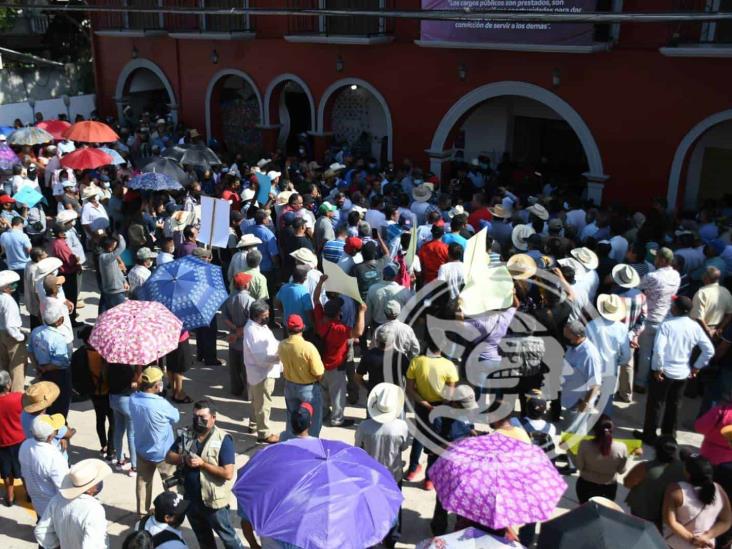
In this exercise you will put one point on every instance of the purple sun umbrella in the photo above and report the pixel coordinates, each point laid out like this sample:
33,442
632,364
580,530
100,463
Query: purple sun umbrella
497,481
8,158
318,494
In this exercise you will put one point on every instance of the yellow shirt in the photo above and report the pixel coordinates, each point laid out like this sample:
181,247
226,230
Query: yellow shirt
430,374
300,360
711,304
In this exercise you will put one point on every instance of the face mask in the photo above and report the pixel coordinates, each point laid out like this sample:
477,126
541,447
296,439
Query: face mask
200,424
14,286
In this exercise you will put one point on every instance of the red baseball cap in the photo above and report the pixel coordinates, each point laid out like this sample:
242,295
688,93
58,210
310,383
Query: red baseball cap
353,244
241,279
6,199
294,322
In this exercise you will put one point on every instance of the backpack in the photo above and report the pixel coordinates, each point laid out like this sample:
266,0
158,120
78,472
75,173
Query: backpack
542,439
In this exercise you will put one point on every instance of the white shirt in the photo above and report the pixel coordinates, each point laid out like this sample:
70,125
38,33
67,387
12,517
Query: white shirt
137,276
78,523
10,321
453,273
153,527
94,216
44,468
19,182
311,281
260,353
65,146
163,258
675,340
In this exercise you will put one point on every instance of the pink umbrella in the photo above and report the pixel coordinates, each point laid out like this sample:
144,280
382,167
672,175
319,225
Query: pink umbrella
497,481
136,332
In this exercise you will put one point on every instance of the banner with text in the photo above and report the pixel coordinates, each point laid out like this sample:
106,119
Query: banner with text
571,34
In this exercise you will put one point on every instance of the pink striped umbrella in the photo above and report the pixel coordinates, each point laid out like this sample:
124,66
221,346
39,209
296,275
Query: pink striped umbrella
136,332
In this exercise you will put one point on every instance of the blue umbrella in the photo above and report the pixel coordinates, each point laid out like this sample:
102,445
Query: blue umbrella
154,181
116,157
28,196
192,289
6,130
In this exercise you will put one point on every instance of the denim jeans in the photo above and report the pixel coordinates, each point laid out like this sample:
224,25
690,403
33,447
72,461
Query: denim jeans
645,353
120,404
107,301
205,522
295,394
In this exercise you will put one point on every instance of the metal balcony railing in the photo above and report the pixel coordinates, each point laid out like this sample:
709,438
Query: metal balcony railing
356,25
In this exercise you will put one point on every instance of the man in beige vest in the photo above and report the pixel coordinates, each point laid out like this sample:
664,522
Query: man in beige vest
206,457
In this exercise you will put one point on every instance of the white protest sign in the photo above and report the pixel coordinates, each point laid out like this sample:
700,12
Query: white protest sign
214,229
339,282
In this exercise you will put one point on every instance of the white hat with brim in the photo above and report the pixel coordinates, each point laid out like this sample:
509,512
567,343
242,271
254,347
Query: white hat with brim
455,210
283,198
521,266
422,193
520,237
499,212
335,166
360,209
273,174
611,307
66,215
8,277
46,266
385,402
247,195
248,240
539,211
181,219
90,192
82,476
625,276
305,255
587,257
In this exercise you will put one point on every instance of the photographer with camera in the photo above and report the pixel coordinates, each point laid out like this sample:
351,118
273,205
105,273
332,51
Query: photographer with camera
205,458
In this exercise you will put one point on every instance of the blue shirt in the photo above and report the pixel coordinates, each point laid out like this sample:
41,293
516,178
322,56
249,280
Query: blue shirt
612,343
296,300
153,418
268,247
48,345
449,238
15,244
333,250
586,365
192,480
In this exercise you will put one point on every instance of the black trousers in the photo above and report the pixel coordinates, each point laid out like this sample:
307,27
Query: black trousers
666,395
206,342
71,290
104,414
62,378
587,490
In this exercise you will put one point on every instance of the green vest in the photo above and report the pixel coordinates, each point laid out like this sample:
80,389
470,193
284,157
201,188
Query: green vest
215,491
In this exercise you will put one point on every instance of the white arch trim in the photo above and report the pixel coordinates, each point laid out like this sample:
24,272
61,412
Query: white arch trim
682,150
124,76
377,95
212,83
279,80
530,91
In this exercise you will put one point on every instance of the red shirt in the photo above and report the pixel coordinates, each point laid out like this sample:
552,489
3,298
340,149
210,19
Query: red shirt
11,429
431,256
335,336
477,216
69,263
228,194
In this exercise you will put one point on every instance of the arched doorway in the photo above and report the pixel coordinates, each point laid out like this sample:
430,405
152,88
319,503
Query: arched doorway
143,86
234,112
359,117
703,162
535,126
290,105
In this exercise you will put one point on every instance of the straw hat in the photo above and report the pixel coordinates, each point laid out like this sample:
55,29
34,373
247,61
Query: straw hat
587,257
520,236
181,219
283,197
66,215
194,133
422,193
726,432
521,266
611,306
305,255
40,396
90,192
247,240
625,276
500,212
82,476
8,277
385,402
46,266
539,211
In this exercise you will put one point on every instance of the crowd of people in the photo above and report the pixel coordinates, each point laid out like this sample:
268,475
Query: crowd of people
605,304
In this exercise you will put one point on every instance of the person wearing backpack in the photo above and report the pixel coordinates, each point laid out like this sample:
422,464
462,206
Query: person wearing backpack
164,525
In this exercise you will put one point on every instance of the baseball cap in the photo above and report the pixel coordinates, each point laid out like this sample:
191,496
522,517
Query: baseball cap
302,418
327,207
146,253
683,303
405,222
353,244
392,308
391,270
42,427
665,253
151,374
170,503
6,199
202,253
240,279
295,322
555,224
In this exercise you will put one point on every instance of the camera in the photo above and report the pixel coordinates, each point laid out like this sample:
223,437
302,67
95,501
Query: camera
185,445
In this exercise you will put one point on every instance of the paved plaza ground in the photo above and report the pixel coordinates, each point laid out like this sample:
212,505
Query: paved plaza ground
118,496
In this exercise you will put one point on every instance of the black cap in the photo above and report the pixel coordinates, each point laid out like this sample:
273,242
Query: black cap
683,303
170,503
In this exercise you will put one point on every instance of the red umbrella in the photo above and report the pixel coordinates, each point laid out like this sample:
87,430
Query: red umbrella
89,131
86,159
55,127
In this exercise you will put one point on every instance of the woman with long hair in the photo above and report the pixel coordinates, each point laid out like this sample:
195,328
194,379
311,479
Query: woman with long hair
600,461
695,511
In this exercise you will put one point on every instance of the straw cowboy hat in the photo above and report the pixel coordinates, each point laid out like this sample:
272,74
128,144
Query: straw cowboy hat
520,237
181,219
587,257
283,197
46,266
611,307
90,192
539,211
82,476
625,276
66,215
8,277
385,402
422,193
499,212
305,255
39,396
521,266
247,240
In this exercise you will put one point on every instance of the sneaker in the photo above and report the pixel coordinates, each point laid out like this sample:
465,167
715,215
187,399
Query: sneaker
411,475
428,485
271,439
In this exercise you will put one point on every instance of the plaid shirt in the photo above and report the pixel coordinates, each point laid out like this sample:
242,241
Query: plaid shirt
637,310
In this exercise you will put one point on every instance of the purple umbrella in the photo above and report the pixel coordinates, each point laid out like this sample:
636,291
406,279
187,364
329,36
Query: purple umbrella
317,493
8,158
497,481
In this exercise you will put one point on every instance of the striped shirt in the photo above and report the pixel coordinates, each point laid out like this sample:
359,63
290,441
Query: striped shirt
333,250
637,310
660,286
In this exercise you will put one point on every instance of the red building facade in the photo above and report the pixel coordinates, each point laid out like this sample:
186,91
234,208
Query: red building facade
643,104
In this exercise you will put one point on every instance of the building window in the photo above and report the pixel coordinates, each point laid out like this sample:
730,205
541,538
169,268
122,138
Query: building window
225,23
718,32
357,25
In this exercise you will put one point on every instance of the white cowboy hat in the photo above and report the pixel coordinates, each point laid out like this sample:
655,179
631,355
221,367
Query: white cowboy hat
273,174
82,476
335,166
66,215
46,266
539,211
385,402
611,307
90,192
625,276
455,210
305,255
520,236
587,257
283,197
181,219
262,162
248,240
422,193
8,277
360,209
247,194
521,266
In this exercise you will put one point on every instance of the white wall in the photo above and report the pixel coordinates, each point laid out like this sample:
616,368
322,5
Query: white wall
51,108
720,136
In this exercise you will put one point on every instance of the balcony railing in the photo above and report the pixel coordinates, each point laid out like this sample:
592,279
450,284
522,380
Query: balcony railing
719,33
356,25
144,21
226,23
